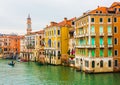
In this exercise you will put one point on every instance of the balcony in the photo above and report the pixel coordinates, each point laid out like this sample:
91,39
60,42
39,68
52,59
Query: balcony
80,46
101,34
109,34
110,46
90,46
86,34
93,34
101,46
80,35
49,48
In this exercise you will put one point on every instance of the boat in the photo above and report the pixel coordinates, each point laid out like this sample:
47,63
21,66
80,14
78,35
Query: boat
11,63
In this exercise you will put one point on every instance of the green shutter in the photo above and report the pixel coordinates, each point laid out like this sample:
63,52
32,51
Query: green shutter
109,41
109,52
93,41
81,41
109,29
101,41
101,29
101,52
93,53
92,29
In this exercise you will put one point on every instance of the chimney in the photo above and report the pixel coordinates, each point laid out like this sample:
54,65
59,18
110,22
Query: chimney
52,23
65,20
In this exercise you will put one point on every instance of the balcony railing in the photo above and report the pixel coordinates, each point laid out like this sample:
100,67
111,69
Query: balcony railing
109,34
93,34
80,35
101,34
80,46
110,45
101,46
90,46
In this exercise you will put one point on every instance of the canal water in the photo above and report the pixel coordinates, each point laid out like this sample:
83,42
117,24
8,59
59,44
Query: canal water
34,74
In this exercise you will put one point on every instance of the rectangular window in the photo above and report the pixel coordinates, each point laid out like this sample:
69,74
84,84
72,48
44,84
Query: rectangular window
109,29
92,29
58,32
81,31
101,20
115,29
101,40
109,20
109,63
116,63
101,29
86,64
101,63
101,53
93,64
109,41
109,52
77,61
115,41
92,19
93,53
116,52
59,54
58,44
5,49
93,41
55,44
81,41
115,19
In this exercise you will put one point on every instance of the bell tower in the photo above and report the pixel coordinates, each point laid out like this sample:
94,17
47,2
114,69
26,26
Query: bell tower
29,28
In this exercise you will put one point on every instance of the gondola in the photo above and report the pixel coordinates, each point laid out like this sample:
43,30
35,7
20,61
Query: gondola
11,63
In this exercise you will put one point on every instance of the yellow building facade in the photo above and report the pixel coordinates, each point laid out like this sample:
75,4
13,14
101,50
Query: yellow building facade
56,41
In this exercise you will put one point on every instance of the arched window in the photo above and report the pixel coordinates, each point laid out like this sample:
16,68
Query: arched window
101,63
93,64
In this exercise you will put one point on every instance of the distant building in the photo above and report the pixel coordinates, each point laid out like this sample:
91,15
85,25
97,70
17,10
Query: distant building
9,45
32,43
97,40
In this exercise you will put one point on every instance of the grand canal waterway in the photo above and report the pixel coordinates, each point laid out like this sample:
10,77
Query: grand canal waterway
34,74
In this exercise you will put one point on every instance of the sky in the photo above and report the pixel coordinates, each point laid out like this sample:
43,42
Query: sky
13,13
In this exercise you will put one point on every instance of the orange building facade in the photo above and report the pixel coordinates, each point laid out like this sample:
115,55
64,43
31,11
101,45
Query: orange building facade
97,45
9,45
